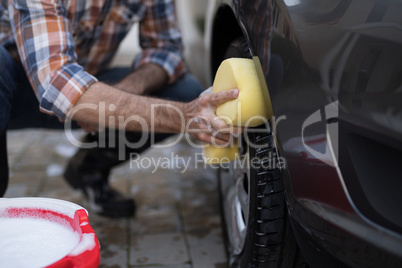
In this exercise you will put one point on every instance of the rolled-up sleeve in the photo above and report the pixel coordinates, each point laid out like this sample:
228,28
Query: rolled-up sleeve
160,38
46,46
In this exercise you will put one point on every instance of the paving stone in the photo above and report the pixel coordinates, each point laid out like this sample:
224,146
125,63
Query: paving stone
16,190
156,211
168,266
31,180
200,202
21,138
57,187
113,256
157,249
113,237
34,158
206,248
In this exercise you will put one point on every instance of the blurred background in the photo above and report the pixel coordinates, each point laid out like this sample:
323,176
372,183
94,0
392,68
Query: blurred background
191,15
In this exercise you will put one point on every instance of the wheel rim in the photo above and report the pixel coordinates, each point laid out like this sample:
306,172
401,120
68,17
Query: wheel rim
236,202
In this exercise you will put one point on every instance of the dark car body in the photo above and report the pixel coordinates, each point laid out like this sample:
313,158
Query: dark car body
334,74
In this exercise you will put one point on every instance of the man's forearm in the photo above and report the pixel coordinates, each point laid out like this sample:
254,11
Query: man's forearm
103,104
146,79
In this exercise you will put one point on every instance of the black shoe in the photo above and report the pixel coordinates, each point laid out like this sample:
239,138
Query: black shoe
101,197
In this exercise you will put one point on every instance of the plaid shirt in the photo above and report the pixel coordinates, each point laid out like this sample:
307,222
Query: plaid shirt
61,43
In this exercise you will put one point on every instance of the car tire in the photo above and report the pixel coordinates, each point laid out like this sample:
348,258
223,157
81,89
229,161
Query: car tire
268,236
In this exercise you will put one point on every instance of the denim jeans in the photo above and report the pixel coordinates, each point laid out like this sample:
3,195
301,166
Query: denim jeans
19,106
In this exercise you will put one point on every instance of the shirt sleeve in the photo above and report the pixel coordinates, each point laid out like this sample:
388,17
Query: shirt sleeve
160,38
47,51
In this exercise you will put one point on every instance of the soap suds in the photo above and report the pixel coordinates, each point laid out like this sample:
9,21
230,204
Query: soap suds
87,243
32,242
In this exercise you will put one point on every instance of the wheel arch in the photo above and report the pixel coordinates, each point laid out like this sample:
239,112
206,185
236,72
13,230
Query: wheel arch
224,30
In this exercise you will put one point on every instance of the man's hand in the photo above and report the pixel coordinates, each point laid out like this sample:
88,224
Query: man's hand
203,123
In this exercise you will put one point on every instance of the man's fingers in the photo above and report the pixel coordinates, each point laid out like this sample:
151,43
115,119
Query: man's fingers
208,91
219,123
209,128
215,125
236,131
222,127
222,136
215,140
224,96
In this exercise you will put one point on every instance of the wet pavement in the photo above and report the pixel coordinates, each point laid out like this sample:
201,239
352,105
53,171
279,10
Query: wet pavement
177,223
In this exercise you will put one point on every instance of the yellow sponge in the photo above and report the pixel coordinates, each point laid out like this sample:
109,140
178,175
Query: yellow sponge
250,109
217,155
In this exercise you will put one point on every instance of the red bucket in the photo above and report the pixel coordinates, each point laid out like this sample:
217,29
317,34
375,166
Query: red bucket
82,252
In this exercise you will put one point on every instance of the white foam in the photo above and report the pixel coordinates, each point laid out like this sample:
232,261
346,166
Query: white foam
87,243
32,242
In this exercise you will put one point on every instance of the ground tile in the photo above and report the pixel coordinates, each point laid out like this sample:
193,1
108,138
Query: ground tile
156,249
206,248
